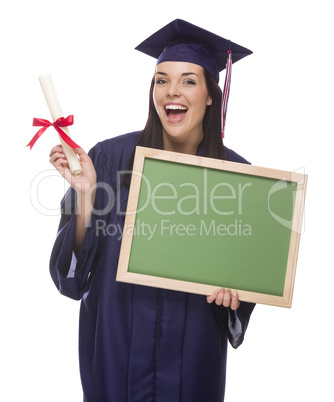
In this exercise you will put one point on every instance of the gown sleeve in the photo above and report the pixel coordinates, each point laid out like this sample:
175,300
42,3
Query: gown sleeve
234,321
237,323
69,272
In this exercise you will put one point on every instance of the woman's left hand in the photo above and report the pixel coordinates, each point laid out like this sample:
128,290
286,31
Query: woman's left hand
224,297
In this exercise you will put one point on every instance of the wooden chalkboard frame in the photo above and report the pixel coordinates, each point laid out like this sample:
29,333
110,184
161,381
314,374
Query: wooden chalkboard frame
123,273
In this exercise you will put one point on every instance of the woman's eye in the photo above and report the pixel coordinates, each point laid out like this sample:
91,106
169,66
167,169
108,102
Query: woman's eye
190,82
160,81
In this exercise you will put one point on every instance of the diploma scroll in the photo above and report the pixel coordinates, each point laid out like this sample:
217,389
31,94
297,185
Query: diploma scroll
56,112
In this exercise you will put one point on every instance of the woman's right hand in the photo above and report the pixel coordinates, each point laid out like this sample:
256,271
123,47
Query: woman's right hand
83,182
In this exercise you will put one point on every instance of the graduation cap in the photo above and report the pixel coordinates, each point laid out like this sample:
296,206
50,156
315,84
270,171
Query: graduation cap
182,41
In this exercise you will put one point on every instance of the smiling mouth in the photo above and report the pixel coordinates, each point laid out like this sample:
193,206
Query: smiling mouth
175,112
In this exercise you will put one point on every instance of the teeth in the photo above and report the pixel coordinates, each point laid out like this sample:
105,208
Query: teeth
175,107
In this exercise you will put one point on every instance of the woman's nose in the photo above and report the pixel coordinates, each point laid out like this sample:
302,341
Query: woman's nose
173,90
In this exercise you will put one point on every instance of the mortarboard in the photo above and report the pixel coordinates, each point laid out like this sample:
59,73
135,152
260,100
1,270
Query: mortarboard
181,41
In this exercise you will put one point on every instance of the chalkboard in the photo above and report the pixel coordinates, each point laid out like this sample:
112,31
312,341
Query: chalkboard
197,224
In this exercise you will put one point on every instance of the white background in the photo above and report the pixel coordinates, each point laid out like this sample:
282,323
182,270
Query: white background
280,115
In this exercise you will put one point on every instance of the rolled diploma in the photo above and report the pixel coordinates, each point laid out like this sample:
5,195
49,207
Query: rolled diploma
56,112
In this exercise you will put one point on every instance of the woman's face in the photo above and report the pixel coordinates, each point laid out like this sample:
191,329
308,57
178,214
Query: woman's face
180,97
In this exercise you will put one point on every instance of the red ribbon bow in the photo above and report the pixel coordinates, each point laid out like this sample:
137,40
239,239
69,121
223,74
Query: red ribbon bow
61,122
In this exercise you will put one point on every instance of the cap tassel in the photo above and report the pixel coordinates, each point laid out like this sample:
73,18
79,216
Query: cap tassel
226,91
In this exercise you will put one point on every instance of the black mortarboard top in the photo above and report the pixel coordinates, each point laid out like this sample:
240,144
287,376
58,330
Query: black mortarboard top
182,41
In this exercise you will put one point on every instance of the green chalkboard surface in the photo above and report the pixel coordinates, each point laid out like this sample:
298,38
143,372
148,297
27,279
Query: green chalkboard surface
214,224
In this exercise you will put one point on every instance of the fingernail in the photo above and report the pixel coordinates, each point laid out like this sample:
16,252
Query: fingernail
235,294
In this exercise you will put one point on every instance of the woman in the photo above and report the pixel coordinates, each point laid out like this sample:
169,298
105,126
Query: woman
138,343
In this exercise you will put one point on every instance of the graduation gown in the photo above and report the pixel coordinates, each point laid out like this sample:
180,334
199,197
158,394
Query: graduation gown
137,343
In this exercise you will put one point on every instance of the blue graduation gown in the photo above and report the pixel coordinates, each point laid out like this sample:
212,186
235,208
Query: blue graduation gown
137,343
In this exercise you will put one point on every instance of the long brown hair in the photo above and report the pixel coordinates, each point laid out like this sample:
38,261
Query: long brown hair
151,136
